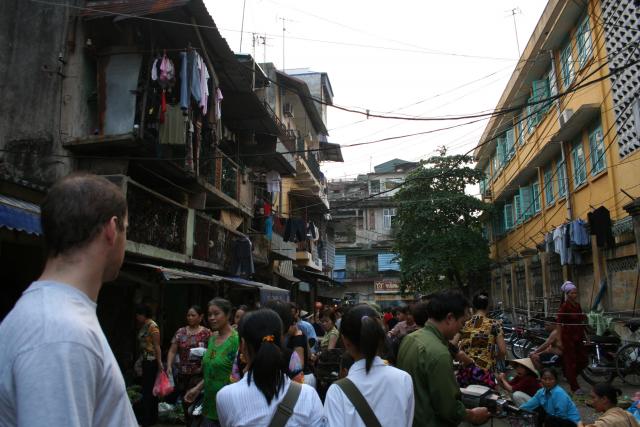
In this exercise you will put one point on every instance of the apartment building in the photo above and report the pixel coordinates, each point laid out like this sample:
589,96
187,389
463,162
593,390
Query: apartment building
363,210
557,161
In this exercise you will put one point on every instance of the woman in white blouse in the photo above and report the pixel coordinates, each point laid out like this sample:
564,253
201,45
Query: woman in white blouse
363,336
253,400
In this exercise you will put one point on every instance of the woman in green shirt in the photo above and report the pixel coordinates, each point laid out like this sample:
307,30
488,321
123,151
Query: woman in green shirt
217,361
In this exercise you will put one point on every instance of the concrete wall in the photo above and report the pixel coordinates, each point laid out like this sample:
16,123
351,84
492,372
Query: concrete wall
32,35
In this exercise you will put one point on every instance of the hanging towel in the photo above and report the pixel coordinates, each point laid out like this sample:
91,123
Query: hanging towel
172,130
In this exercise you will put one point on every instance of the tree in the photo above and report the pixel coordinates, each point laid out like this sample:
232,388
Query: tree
438,231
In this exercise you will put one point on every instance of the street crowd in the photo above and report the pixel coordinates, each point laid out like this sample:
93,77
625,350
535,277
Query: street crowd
265,366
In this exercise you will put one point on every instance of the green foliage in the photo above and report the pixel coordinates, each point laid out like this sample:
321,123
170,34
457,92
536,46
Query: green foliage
438,231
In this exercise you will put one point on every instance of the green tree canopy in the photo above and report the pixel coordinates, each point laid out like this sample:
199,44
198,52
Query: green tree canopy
438,232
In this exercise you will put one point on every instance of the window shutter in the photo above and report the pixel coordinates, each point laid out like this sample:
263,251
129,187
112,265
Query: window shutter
525,200
535,194
548,187
517,209
510,142
508,217
501,152
561,176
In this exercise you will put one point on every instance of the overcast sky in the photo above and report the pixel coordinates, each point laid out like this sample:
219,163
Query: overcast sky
406,57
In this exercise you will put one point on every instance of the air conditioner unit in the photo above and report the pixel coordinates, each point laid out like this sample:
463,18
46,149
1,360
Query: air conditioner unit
288,110
565,116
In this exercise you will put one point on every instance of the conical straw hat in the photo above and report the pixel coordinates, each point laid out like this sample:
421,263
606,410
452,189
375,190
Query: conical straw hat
527,363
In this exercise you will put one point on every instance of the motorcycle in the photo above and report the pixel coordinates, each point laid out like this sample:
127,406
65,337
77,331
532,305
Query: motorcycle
475,396
607,359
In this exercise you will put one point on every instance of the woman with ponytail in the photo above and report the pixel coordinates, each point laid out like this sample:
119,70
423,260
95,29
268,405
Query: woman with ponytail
369,378
253,400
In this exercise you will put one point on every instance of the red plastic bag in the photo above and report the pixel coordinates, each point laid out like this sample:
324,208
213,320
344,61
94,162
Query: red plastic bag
162,386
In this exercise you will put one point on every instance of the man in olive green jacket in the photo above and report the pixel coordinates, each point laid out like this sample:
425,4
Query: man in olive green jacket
424,354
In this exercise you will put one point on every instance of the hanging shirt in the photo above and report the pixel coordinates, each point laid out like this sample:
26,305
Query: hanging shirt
204,85
273,181
559,244
578,233
600,223
195,76
167,72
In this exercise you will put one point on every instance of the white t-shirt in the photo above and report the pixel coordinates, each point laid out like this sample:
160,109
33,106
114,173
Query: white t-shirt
244,405
56,366
388,391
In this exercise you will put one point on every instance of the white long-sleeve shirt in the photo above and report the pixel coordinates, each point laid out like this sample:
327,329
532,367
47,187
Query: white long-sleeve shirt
241,404
388,390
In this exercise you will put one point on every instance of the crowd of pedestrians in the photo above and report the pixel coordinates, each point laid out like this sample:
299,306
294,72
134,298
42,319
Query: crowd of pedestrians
260,366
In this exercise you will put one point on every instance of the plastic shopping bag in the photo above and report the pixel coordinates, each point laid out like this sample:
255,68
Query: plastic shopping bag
162,386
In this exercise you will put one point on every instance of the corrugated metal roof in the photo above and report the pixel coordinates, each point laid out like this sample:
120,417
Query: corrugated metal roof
101,8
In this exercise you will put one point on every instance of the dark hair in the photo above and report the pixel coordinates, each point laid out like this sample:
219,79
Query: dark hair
404,310
197,309
420,313
75,210
360,326
243,308
481,301
261,331
283,310
222,304
346,361
550,371
445,302
144,309
330,314
608,391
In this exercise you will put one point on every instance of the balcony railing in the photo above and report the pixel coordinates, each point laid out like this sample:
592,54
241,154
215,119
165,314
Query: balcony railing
155,220
212,242
283,133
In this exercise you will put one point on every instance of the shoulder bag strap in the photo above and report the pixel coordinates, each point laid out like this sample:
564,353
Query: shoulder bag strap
359,402
285,407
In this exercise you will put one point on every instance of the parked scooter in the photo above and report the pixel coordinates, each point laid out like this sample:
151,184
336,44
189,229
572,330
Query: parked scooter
608,359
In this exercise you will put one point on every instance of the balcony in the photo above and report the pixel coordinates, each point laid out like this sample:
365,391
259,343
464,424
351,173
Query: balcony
158,226
307,255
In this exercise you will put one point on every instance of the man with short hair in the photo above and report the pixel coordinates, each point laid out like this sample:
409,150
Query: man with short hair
425,355
56,366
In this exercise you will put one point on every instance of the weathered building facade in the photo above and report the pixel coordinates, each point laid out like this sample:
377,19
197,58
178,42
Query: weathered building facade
363,212
149,94
558,159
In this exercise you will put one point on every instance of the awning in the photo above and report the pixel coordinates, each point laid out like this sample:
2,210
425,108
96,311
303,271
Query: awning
173,274
330,152
316,277
267,292
291,279
19,215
